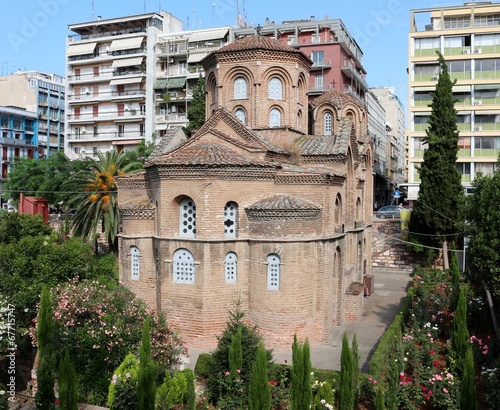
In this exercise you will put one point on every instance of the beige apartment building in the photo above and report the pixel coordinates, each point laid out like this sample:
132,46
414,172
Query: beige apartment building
468,36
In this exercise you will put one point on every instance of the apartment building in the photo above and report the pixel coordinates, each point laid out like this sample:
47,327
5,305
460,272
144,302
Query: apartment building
178,69
111,78
337,58
17,136
41,93
468,36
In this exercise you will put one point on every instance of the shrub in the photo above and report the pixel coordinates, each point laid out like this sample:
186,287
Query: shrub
126,371
100,326
259,397
68,384
172,392
4,401
203,365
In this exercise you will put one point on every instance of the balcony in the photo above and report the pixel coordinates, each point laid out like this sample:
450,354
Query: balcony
321,65
350,72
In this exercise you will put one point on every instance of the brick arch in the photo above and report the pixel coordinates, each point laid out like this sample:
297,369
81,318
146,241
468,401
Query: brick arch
318,118
283,75
211,91
281,110
236,72
351,110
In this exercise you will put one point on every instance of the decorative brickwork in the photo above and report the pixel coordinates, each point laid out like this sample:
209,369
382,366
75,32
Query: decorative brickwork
138,212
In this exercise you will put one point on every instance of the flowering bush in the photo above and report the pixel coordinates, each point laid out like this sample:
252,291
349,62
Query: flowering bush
101,324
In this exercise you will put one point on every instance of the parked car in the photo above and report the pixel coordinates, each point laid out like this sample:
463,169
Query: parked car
389,211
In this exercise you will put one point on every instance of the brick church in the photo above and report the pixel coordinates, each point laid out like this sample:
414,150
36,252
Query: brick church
268,203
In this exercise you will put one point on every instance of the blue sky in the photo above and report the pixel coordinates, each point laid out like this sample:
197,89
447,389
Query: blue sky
33,32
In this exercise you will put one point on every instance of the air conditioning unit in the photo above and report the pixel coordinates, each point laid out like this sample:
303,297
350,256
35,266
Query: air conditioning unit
478,102
477,51
171,60
466,51
478,128
435,78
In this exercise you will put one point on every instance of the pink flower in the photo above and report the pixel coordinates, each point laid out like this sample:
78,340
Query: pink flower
445,390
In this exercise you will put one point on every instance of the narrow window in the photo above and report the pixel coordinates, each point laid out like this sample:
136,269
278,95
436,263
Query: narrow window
328,123
275,118
188,218
240,88
275,91
230,267
240,114
134,263
230,219
183,267
273,272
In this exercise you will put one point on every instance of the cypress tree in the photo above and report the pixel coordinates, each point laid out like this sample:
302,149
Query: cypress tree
440,206
346,378
301,393
356,368
467,386
45,397
68,384
191,393
235,353
379,399
146,376
306,388
196,110
460,342
259,397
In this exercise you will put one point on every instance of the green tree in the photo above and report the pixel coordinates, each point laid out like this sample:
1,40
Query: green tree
356,368
196,110
468,399
140,154
440,205
460,342
95,200
191,391
68,384
483,229
235,354
346,378
146,376
301,393
259,397
45,397
14,226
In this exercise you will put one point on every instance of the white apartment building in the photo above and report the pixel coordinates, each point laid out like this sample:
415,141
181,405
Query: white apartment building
468,36
110,71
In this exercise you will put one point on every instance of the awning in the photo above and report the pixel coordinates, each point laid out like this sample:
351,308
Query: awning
132,80
487,112
127,62
487,87
125,142
81,49
176,82
464,112
196,57
126,43
161,83
161,127
207,35
461,88
421,89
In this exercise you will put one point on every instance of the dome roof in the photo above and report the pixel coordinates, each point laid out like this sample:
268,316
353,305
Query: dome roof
257,42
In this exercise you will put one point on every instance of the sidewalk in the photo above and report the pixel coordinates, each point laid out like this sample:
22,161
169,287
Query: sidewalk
379,312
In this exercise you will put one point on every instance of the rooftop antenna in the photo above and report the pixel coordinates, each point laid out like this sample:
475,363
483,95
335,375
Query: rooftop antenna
145,6
213,13
92,10
237,12
159,6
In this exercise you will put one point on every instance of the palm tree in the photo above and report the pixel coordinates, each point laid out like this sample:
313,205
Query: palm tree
94,196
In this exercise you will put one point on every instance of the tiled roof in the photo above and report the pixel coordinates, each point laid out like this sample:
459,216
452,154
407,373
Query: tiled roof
205,153
283,202
318,145
257,43
337,98
163,146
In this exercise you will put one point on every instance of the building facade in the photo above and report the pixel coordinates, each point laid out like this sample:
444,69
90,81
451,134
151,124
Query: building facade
254,208
17,137
468,36
337,58
41,93
111,77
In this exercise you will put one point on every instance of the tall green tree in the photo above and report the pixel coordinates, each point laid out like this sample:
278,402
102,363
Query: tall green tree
468,399
460,342
235,354
146,376
439,209
259,397
346,378
68,384
95,198
45,397
301,393
196,110
355,367
191,390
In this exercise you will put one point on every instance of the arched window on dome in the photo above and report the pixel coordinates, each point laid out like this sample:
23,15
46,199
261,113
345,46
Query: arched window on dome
183,264
275,91
240,114
273,271
275,118
230,267
327,123
240,88
230,219
187,218
135,272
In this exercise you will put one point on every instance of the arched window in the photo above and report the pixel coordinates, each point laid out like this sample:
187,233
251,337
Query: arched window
240,88
188,218
240,114
275,118
183,266
359,213
230,219
230,267
338,210
273,271
275,91
327,123
134,263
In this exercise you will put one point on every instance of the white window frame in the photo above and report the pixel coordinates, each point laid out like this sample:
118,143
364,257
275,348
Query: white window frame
273,271
187,218
327,123
275,91
240,88
183,267
275,118
135,267
231,268
230,216
241,115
